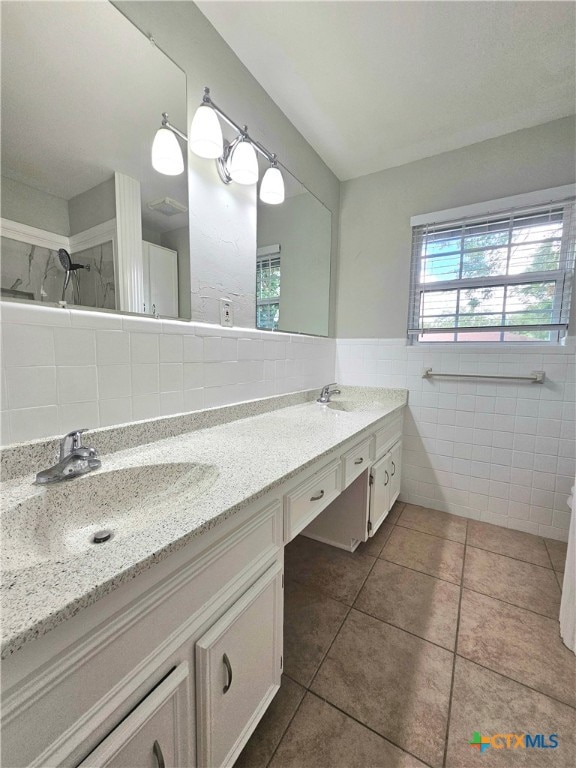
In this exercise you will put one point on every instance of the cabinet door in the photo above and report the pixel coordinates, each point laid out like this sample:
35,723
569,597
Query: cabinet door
238,669
156,734
379,492
395,471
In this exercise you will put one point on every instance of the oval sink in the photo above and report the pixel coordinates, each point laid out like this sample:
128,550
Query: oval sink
353,405
57,522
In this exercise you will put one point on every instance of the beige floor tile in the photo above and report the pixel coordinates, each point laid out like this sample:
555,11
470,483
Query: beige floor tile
517,643
266,737
436,557
505,541
311,621
557,551
515,581
490,704
395,512
375,544
393,682
322,737
412,601
338,573
434,522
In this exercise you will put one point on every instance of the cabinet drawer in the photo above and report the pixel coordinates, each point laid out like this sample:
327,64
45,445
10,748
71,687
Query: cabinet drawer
355,461
156,732
238,669
385,437
309,499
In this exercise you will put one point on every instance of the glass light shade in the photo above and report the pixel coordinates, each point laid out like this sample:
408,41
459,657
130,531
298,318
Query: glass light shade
206,133
166,153
243,164
272,187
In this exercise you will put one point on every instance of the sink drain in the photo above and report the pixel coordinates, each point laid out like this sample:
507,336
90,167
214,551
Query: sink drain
101,537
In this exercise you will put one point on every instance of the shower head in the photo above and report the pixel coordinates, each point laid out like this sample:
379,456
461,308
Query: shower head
65,259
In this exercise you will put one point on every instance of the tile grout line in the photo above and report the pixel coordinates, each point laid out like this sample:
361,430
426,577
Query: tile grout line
308,688
402,629
507,602
513,680
284,732
415,570
549,555
397,523
436,535
368,728
518,559
449,713
349,607
483,548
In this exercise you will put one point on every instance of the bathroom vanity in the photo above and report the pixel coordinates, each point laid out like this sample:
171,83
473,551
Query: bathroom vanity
163,646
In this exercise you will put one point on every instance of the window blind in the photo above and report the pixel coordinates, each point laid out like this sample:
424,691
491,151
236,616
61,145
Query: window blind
506,277
268,290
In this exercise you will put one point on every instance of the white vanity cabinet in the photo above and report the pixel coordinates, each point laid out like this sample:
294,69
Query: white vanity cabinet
371,473
238,670
384,485
156,734
177,666
94,689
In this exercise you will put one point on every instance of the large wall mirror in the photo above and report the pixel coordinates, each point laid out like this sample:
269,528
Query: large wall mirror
293,262
86,220
83,95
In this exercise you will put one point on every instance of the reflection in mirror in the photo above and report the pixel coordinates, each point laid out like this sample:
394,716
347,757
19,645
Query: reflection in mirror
83,95
293,262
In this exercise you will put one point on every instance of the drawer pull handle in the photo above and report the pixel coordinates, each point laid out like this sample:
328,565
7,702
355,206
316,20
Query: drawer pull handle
157,749
316,498
228,666
387,477
394,468
359,461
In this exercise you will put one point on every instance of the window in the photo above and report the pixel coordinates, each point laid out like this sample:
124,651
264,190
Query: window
499,278
268,288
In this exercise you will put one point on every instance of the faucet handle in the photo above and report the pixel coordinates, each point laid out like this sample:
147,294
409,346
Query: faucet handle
71,442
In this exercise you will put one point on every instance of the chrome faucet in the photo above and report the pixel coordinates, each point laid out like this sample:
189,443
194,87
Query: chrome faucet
75,460
326,393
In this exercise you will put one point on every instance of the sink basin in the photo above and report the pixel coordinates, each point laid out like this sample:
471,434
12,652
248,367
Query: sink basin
57,522
353,405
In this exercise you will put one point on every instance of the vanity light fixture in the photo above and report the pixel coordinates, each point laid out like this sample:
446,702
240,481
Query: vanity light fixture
236,161
241,162
272,186
166,152
205,131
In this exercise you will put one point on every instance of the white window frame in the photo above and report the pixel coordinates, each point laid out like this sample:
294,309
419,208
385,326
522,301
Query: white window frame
466,215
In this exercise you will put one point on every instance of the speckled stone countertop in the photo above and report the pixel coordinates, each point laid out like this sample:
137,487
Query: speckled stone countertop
235,461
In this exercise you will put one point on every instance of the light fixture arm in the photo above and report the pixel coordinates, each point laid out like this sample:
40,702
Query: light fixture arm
167,124
241,130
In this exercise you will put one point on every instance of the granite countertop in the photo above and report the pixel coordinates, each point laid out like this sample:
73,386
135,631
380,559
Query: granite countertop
248,456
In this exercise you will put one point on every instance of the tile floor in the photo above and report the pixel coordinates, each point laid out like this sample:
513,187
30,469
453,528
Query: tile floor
394,654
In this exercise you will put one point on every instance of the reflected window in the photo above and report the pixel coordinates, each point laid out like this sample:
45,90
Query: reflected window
268,289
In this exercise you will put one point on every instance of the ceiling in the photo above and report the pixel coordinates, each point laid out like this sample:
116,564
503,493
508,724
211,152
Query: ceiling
372,85
83,91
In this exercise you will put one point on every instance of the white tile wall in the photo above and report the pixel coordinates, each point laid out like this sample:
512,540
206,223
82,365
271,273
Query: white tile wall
73,368
499,452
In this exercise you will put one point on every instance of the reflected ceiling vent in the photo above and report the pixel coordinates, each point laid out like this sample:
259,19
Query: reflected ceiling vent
167,206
